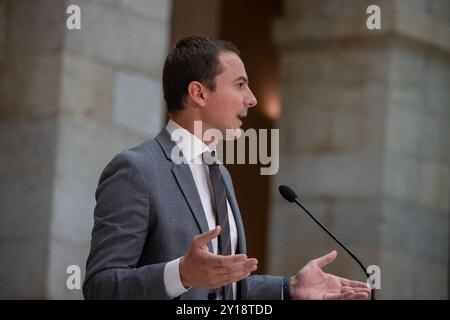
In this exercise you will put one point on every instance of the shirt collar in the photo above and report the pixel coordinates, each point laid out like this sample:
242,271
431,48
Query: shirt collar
191,146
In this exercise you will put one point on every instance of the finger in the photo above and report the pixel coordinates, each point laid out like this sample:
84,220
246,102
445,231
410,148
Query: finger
334,296
346,295
361,290
204,238
237,275
355,284
345,288
237,267
326,259
352,295
219,261
357,294
361,296
249,265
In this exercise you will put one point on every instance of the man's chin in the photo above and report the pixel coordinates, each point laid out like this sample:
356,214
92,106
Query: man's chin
233,134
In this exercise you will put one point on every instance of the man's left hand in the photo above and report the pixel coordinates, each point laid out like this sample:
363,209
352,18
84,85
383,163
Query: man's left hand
311,283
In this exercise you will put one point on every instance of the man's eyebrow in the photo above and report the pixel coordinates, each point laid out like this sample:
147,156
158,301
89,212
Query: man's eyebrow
241,78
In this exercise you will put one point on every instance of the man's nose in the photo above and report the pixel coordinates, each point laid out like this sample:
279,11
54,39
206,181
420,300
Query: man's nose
251,102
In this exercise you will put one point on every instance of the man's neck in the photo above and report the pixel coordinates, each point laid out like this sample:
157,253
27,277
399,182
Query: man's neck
188,124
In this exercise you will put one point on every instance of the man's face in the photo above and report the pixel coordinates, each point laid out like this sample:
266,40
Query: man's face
232,97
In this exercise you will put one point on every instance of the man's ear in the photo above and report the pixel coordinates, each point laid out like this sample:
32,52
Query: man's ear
197,92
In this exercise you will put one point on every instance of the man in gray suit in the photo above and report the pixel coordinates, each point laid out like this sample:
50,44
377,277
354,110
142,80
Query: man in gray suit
167,229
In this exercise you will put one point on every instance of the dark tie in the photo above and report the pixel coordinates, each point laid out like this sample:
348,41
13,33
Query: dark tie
221,212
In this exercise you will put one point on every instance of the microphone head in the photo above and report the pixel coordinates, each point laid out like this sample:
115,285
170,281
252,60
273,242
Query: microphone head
287,193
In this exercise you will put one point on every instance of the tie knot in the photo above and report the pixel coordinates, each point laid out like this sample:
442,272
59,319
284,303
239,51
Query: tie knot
210,157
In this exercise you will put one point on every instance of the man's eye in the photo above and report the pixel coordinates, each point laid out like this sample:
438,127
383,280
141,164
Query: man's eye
240,85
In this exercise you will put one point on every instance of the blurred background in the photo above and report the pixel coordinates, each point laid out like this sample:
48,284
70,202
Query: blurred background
364,119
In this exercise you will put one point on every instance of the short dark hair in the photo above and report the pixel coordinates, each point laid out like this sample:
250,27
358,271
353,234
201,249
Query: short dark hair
192,59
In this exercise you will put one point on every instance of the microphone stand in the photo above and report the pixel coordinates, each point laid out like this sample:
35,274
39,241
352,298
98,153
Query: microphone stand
341,244
289,195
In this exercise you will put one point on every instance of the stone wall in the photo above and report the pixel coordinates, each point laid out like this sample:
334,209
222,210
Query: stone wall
365,141
70,100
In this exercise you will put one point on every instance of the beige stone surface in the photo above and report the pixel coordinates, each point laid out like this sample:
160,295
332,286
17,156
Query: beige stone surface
364,140
69,101
29,86
36,27
119,37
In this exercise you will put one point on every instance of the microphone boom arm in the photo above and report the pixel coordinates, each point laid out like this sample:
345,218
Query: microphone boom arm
337,240
288,194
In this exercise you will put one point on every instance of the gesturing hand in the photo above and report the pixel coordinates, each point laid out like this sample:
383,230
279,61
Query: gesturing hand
203,269
311,283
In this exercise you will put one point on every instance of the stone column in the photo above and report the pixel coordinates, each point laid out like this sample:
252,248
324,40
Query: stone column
365,141
70,100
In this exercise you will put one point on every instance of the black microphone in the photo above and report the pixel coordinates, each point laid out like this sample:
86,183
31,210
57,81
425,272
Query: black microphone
289,194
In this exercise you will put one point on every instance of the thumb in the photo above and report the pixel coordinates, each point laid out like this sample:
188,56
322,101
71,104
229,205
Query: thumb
326,259
204,238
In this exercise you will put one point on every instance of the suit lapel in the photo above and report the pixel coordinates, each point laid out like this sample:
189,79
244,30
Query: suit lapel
185,180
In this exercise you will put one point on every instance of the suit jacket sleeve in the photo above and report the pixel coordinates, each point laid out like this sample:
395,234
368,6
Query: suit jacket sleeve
264,287
118,237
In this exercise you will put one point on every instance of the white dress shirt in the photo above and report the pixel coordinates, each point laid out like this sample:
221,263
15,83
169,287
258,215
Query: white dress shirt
192,149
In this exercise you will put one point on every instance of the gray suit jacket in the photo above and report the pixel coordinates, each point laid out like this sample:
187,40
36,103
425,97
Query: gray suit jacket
148,210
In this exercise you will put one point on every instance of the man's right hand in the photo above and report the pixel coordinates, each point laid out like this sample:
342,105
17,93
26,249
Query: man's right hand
203,269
